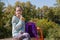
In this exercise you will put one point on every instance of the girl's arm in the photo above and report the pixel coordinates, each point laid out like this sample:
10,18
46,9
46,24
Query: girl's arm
16,25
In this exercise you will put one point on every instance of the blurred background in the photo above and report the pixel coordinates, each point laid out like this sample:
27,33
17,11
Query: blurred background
46,14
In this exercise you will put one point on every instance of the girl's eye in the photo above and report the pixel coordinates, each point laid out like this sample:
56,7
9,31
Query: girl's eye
19,10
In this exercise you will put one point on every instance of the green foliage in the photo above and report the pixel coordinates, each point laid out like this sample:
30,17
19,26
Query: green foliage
58,3
50,29
5,26
53,14
4,32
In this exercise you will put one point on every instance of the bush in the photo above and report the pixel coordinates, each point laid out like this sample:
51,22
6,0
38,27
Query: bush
50,29
4,33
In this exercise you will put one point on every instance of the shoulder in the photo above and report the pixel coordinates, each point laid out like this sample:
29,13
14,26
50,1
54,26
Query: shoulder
14,18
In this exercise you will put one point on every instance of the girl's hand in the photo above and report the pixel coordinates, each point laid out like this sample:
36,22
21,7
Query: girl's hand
20,32
22,18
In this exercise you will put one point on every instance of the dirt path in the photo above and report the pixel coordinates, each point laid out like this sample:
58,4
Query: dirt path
6,39
11,39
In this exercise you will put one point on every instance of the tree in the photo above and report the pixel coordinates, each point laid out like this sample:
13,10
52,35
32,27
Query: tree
57,14
3,31
1,13
58,2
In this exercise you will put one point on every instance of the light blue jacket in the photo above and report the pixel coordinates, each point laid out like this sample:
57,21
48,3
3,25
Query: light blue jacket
17,25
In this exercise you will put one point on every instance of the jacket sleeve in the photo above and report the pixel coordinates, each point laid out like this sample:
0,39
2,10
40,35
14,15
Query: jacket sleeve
23,25
16,25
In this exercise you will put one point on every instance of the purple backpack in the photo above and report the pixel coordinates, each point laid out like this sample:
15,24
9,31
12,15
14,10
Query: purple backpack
31,28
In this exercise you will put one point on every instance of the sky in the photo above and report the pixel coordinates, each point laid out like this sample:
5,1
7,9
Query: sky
37,3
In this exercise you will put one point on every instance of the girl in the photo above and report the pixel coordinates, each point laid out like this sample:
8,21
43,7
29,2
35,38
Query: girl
18,26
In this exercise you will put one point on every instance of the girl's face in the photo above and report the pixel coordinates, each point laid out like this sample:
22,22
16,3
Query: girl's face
18,11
